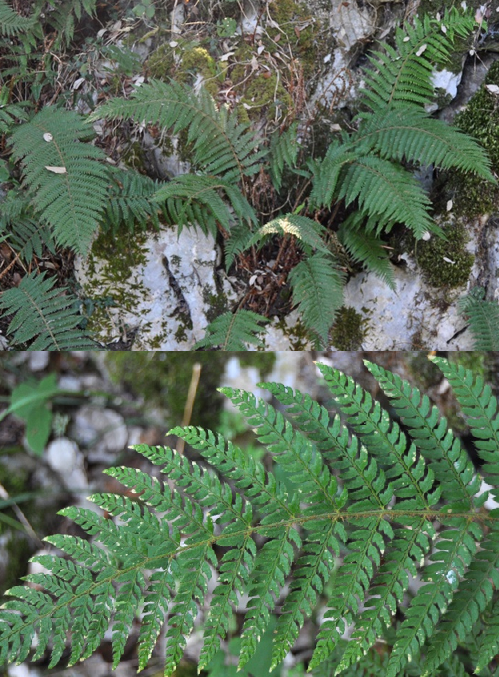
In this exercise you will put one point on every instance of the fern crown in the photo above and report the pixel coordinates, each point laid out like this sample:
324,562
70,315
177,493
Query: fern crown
362,503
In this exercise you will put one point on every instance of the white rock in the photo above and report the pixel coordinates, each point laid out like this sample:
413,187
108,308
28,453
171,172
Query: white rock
446,80
38,359
102,430
351,23
68,382
65,458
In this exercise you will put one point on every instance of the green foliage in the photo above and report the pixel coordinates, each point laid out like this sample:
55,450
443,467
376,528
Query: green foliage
446,263
283,153
130,202
318,289
26,235
45,313
12,23
308,233
483,318
63,176
30,402
231,331
373,504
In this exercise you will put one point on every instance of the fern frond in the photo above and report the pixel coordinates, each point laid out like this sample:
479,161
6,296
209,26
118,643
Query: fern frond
366,248
479,405
489,643
326,173
130,201
221,146
317,285
364,501
26,235
402,74
384,189
483,318
66,182
306,231
63,15
10,113
12,23
44,314
191,200
231,331
283,153
409,134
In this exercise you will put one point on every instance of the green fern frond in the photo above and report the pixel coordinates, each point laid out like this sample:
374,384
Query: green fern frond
483,318
63,15
283,153
192,200
130,201
326,173
67,184
10,113
386,190
231,331
317,285
26,235
44,314
12,23
366,248
221,146
306,231
409,134
402,74
361,500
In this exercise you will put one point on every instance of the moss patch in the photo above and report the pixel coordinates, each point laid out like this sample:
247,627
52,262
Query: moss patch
473,196
185,62
446,264
348,330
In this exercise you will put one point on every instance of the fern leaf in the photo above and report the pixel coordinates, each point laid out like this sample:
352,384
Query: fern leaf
26,235
480,408
44,314
130,201
409,134
318,290
326,173
384,189
221,146
489,643
307,232
12,23
72,199
192,200
232,331
366,248
483,318
283,153
402,74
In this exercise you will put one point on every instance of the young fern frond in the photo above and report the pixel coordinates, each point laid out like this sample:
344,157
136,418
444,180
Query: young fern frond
26,235
317,285
67,183
220,146
363,498
231,331
366,248
402,74
483,318
44,314
306,231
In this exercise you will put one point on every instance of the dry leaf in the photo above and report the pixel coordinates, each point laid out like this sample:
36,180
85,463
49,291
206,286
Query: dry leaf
421,50
449,205
57,170
48,136
493,89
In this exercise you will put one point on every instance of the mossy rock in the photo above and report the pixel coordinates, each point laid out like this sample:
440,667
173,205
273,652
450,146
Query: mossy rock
446,263
184,63
473,196
348,330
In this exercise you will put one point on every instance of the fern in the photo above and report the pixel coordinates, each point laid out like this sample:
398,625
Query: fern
365,247
362,501
67,184
130,201
221,146
231,331
317,286
12,23
26,235
283,153
483,318
45,313
308,233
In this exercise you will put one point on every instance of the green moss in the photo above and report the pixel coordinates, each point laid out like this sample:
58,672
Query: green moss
473,196
432,255
216,304
348,330
135,157
161,63
184,63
